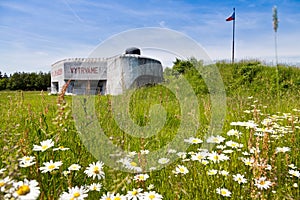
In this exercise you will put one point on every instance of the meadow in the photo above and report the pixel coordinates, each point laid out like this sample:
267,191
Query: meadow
255,156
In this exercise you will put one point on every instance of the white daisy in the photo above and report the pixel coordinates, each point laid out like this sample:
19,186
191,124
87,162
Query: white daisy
50,166
199,156
26,189
152,195
4,182
141,177
180,169
74,167
216,158
193,140
46,144
234,132
224,172
239,178
144,152
282,149
61,148
95,187
95,170
224,192
26,161
163,160
135,194
294,173
262,183
215,139
75,193
107,196
212,172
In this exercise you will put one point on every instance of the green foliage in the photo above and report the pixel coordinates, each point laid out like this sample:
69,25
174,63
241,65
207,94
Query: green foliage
26,81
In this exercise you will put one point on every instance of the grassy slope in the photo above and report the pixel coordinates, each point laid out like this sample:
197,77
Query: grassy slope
28,118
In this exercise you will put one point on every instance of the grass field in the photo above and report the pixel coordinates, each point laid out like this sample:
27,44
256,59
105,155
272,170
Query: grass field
256,156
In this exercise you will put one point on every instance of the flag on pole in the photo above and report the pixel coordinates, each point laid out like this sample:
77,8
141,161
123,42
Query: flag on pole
232,17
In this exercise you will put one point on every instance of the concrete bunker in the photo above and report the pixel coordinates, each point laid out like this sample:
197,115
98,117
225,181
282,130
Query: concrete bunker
106,75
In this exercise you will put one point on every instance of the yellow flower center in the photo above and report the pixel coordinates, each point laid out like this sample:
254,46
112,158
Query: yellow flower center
51,166
96,170
76,194
216,157
223,192
194,140
2,184
141,177
27,159
134,192
181,170
61,147
151,196
108,198
262,182
44,147
23,190
133,164
117,198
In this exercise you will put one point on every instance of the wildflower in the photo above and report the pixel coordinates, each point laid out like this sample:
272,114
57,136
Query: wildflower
129,164
216,158
248,161
193,140
4,182
182,155
66,173
172,151
26,190
292,166
26,161
132,154
2,170
163,160
74,167
199,156
141,177
215,139
95,187
150,187
282,149
61,148
212,172
180,169
223,172
228,151
152,195
135,194
234,132
224,192
245,153
107,196
239,178
74,193
50,166
204,162
118,197
294,173
95,170
234,145
46,144
262,183
144,152
221,147
295,185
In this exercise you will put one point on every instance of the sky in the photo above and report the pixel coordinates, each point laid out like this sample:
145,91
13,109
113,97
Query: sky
35,34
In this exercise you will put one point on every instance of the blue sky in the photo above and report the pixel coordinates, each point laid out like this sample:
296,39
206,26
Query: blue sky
34,34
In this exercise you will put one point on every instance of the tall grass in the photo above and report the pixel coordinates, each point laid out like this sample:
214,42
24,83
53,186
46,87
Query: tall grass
27,118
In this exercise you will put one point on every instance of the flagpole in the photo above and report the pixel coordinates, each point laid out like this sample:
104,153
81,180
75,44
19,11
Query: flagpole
233,32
